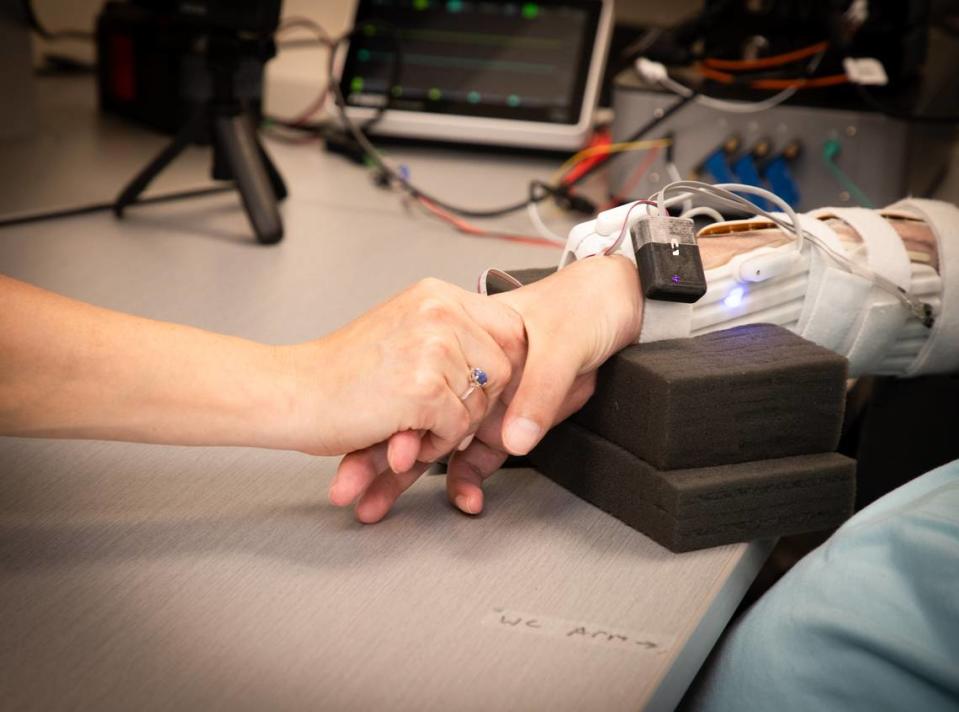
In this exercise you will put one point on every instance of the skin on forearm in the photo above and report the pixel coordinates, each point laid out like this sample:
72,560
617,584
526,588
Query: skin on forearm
72,370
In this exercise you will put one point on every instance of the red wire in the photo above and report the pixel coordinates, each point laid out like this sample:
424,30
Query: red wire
634,179
775,60
470,229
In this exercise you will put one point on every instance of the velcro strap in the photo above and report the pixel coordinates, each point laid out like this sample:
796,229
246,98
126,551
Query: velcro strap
881,315
833,295
940,354
886,255
665,320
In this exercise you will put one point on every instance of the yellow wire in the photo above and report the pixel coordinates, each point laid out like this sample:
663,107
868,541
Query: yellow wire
607,149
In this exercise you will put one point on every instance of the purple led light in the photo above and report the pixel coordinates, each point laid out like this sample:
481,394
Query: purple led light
675,279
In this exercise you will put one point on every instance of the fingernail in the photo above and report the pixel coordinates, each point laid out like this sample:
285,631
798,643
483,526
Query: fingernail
465,443
521,435
463,503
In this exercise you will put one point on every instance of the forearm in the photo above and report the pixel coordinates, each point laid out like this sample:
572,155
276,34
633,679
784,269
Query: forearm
72,370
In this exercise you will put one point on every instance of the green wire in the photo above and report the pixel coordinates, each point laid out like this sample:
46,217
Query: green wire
830,151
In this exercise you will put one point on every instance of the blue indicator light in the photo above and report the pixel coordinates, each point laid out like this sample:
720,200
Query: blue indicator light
735,297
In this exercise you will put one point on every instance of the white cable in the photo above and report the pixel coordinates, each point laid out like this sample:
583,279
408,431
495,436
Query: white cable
722,194
703,210
674,175
730,107
541,227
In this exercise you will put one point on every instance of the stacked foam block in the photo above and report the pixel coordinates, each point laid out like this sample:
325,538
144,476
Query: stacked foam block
721,438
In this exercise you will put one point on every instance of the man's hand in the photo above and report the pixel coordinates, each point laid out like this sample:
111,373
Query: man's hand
574,320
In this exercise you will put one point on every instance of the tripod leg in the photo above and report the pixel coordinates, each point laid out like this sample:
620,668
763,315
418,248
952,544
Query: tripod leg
238,145
142,180
276,180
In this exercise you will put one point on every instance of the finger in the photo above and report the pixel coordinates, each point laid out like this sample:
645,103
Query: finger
382,494
356,473
466,472
548,377
490,430
474,398
447,413
454,423
485,453
402,450
481,350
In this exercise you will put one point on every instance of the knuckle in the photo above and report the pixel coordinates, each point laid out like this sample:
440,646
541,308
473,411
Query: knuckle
429,286
435,348
433,309
427,386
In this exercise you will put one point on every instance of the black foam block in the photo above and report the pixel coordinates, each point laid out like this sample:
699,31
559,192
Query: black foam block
753,392
700,507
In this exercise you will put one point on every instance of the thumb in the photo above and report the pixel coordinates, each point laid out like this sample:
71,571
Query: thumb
547,378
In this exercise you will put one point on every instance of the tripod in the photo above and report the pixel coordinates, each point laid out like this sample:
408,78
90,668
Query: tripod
221,117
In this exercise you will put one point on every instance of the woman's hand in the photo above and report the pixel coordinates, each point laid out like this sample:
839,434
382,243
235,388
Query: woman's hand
574,320
403,368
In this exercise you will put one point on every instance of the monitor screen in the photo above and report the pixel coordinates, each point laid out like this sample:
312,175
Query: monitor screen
526,61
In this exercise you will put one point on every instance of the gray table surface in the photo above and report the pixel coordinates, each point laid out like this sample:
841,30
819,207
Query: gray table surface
146,577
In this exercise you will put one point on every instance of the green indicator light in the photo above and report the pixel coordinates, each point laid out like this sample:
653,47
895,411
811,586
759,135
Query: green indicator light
513,100
356,84
473,97
363,55
454,5
421,4
530,10
435,94
397,91
369,30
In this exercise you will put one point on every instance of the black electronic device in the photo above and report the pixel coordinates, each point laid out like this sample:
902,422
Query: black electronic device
668,259
195,69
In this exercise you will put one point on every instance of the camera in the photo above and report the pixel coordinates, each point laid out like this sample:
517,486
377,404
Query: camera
194,68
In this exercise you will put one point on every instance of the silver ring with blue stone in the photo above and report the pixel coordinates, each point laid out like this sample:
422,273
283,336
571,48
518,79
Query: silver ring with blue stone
478,379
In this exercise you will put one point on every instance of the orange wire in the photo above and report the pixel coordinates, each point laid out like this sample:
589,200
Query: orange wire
721,77
775,60
813,83
797,83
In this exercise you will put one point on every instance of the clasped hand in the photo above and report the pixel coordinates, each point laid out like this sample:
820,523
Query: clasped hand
407,363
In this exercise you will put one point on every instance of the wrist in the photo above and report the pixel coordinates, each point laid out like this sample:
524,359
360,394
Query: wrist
625,307
303,405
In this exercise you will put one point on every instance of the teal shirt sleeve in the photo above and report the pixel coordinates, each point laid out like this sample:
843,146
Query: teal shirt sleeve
869,621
